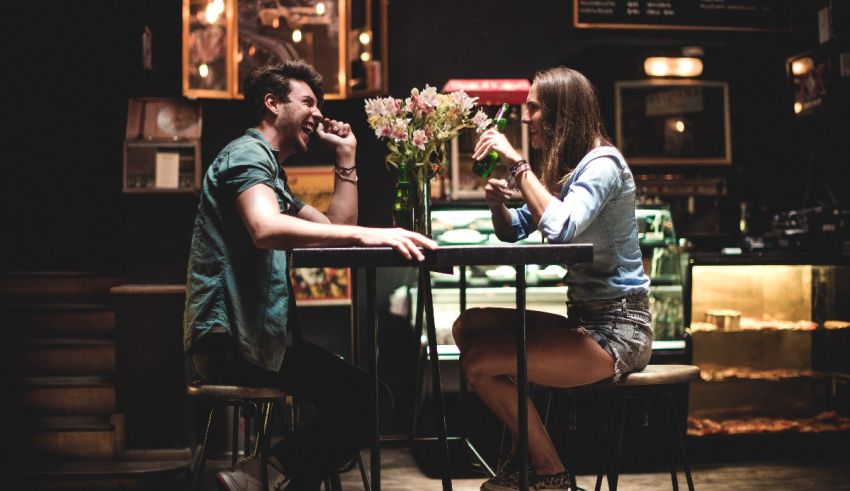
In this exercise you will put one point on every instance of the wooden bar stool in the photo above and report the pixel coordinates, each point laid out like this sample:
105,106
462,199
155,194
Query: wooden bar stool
652,383
259,402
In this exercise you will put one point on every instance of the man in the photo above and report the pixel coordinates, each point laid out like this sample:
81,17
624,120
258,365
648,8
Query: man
239,322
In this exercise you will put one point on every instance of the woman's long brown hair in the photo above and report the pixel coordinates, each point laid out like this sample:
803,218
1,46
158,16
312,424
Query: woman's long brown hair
572,125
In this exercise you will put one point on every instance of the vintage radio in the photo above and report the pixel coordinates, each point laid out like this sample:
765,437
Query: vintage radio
162,146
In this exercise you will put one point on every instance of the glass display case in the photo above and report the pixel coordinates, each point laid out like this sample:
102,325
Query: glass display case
663,263
770,336
487,286
494,285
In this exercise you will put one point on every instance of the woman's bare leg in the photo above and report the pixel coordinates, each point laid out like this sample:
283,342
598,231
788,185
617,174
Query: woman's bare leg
476,322
557,357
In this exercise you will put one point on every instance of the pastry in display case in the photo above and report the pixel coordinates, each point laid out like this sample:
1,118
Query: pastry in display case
769,336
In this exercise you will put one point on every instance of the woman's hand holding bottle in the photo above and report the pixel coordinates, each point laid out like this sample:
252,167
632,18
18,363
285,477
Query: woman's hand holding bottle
493,140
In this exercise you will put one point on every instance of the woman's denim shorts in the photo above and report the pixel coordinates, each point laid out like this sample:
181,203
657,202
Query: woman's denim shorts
621,326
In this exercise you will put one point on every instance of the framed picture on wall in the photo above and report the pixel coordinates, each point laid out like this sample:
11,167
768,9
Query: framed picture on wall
322,286
317,286
313,184
673,122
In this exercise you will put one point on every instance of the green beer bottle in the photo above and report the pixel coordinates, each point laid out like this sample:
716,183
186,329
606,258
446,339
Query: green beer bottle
403,216
484,167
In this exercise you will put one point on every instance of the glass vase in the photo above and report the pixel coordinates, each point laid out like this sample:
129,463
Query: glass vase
422,211
420,198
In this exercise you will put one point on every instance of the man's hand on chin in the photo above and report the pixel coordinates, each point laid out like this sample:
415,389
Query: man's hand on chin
338,135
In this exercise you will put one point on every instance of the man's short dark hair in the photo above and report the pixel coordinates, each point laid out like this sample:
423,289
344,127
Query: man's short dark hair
275,79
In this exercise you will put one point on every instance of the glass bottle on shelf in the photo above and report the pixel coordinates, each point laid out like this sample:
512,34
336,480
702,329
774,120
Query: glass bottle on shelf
403,212
743,223
484,167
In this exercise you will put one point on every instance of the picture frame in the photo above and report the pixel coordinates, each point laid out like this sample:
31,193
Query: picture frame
321,286
224,40
314,184
673,122
317,286
209,36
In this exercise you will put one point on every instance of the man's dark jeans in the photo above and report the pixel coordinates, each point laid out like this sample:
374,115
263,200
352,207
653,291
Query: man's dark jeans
338,391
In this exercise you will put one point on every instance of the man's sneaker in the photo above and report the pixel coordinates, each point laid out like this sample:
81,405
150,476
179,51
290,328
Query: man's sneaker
550,482
245,476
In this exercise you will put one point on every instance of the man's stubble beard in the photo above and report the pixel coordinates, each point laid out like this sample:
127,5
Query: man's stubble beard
290,134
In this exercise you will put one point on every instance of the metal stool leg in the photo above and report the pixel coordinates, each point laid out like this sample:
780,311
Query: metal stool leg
613,479
202,457
248,415
234,433
604,450
367,486
613,474
674,418
668,432
264,439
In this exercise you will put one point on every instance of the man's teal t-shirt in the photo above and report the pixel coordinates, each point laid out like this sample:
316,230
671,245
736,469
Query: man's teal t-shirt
231,284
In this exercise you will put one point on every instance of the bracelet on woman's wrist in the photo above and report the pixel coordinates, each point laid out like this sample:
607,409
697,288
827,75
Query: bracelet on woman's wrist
347,170
520,167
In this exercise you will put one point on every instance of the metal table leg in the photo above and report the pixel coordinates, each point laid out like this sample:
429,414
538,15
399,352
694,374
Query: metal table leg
522,378
463,390
372,317
425,288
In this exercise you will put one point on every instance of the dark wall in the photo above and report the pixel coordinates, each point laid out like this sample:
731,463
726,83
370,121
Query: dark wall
72,65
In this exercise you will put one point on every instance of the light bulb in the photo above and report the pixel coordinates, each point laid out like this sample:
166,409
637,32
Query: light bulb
802,66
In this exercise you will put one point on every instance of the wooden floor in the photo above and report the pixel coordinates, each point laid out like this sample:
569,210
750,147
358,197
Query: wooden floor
401,473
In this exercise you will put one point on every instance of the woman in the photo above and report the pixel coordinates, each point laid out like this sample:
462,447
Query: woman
607,332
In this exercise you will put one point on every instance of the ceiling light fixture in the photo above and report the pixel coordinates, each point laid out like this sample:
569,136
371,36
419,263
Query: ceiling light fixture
659,66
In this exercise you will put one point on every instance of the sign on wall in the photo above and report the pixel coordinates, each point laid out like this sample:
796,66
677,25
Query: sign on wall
721,15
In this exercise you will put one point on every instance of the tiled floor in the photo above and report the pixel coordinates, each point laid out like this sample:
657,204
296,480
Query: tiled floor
400,473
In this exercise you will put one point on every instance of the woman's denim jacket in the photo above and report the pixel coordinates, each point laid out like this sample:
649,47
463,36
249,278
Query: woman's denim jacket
596,206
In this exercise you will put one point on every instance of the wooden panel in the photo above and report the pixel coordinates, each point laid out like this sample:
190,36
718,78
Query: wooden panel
66,357
64,320
66,401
